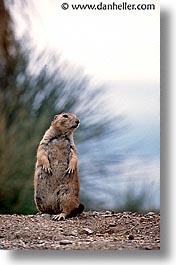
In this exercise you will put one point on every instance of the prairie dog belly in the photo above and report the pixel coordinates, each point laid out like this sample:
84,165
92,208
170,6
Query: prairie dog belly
50,187
58,155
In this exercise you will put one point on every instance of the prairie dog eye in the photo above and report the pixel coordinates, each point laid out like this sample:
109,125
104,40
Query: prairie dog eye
65,116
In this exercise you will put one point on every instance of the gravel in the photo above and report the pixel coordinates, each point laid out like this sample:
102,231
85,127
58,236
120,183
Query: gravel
90,230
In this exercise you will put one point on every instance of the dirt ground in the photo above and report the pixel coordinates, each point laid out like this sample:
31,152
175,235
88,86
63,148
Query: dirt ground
90,230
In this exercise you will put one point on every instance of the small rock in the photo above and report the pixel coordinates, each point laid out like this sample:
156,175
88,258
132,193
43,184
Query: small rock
65,242
142,219
73,233
108,212
98,234
88,231
95,213
118,238
150,213
112,224
130,237
127,213
148,248
46,216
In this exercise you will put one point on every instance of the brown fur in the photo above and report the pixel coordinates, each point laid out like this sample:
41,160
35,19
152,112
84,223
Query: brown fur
56,179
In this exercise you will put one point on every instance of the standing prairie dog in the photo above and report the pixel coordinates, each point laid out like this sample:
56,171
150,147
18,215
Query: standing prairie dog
56,179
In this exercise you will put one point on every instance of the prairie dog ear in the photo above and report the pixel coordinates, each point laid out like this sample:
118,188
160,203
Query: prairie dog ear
55,117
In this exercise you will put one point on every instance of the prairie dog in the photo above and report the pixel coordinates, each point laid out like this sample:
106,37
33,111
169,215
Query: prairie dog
56,179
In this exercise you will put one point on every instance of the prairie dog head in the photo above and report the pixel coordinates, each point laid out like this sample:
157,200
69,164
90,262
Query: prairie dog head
65,122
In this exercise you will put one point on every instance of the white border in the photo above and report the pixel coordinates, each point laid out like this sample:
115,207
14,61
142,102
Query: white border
167,254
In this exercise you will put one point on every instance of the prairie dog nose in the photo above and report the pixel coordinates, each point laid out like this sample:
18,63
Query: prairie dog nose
77,121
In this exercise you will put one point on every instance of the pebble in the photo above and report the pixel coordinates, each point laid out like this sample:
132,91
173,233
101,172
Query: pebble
65,242
74,233
95,213
112,224
130,237
108,212
88,231
150,213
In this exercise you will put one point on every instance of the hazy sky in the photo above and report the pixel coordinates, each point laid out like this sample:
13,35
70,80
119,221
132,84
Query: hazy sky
120,48
108,44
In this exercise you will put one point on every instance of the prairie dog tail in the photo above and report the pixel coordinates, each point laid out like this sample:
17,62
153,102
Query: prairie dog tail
77,211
